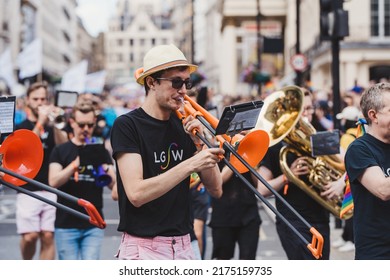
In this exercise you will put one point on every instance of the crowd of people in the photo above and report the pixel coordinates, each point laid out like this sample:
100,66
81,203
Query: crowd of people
151,155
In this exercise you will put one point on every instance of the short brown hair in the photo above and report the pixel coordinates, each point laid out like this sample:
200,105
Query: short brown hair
83,107
35,86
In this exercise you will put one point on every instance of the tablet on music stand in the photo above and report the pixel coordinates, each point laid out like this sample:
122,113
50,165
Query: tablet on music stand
240,117
7,115
66,99
325,143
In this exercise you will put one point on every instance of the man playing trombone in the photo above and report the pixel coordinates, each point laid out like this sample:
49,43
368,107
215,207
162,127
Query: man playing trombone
155,157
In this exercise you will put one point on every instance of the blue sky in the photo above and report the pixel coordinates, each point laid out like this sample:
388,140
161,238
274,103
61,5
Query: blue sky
95,14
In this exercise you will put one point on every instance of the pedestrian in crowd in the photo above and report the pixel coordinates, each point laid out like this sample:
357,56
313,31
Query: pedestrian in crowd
322,119
74,169
35,218
356,93
235,218
349,114
155,155
315,214
368,167
200,201
20,110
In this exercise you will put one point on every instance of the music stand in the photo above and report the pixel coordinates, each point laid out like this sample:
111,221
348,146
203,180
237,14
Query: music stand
66,99
240,117
7,115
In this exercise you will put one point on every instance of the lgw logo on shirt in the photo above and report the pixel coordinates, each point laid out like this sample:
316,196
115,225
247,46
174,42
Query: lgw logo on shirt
86,173
165,157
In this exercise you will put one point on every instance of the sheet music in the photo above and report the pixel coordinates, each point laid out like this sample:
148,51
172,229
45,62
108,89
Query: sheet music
244,120
7,114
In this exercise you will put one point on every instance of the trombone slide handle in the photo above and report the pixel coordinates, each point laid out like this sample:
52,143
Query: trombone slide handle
316,244
94,216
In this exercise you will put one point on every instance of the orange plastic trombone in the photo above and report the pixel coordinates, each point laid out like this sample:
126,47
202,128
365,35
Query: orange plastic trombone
240,155
252,147
21,157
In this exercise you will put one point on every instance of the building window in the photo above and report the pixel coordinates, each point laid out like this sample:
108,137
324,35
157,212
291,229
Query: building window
379,73
131,57
5,26
131,42
380,18
153,41
66,58
66,13
120,42
66,36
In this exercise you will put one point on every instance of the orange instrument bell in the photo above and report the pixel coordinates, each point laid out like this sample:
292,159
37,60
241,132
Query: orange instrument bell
21,157
22,152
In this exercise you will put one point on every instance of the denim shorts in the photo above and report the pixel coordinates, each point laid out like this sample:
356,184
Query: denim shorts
155,248
78,244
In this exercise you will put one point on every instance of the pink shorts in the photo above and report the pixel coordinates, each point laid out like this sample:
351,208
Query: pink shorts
33,215
155,248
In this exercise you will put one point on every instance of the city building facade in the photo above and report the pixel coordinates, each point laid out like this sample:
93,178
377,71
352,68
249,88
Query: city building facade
64,39
136,27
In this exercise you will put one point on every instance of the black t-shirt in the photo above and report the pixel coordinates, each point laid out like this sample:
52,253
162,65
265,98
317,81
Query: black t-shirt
238,205
48,143
85,188
371,214
306,206
162,145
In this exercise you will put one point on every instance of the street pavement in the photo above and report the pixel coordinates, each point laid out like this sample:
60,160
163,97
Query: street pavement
269,247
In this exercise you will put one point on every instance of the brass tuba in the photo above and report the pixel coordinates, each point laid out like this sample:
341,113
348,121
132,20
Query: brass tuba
281,117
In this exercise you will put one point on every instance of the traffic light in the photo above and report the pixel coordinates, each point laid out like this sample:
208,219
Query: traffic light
333,20
326,10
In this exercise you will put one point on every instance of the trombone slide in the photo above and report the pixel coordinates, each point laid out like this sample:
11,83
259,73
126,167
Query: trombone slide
316,244
93,216
22,153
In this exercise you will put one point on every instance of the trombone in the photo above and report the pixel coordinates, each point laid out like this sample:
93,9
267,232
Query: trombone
21,156
250,150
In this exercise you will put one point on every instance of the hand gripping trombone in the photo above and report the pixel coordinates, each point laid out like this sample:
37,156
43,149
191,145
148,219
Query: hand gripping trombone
244,156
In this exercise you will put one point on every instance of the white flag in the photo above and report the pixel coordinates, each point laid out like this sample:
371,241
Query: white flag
30,59
74,78
94,82
6,68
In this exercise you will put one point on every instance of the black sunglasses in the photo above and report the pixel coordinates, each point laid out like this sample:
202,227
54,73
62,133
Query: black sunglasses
177,83
82,125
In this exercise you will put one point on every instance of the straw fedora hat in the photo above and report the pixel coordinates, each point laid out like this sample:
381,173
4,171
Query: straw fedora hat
160,58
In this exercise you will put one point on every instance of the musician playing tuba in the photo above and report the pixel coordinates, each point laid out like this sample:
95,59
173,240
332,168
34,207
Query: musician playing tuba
305,205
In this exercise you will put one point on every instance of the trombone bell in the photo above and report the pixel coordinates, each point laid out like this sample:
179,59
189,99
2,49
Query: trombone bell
22,153
252,148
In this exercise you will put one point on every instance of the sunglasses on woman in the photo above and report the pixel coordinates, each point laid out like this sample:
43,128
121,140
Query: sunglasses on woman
177,83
